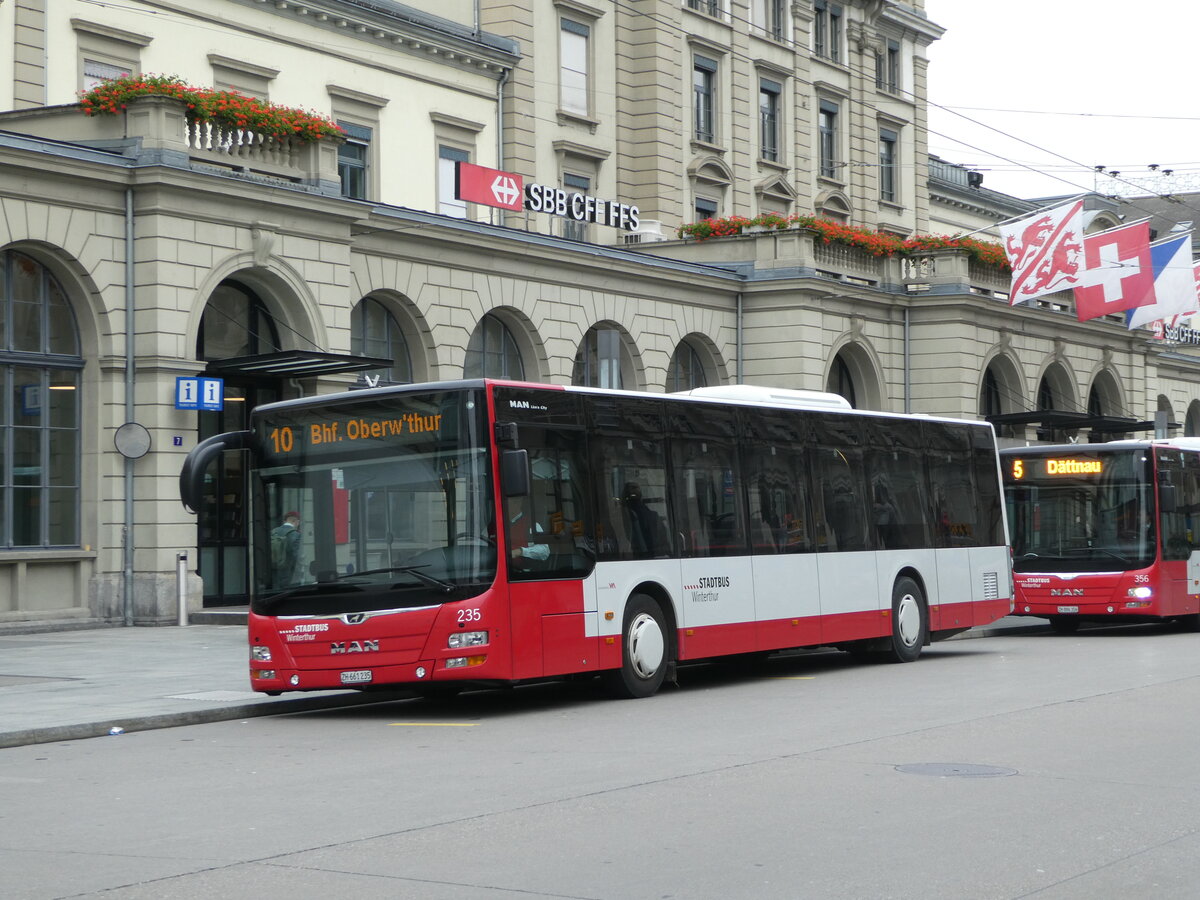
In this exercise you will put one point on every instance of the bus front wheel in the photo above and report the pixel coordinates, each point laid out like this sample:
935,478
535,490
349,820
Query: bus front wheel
910,622
645,651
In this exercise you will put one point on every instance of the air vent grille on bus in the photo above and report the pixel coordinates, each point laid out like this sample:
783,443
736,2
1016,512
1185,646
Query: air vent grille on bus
991,586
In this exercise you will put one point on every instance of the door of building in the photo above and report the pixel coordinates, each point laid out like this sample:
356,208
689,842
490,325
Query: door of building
224,559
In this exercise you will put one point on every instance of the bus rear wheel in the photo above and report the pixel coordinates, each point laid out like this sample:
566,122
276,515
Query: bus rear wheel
645,651
910,621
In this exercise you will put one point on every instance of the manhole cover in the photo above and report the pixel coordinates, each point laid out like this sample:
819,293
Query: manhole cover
961,770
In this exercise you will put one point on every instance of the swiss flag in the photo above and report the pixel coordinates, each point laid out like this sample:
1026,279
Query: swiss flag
1118,273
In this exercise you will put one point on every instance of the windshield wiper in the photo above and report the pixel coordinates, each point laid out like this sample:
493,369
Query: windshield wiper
1113,553
310,588
445,586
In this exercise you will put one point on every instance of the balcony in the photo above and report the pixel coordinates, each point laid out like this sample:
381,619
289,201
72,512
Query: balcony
154,130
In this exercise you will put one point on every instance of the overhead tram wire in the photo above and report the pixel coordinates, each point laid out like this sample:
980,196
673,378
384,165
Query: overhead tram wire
798,46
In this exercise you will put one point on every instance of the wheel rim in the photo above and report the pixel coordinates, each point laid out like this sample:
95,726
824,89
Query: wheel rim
908,619
647,645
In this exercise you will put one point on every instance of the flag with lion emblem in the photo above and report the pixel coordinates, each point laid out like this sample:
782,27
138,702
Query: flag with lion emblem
1045,251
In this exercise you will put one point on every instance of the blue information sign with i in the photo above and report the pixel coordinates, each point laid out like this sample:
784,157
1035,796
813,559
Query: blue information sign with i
200,393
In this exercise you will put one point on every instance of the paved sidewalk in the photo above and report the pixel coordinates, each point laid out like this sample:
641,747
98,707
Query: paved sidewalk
66,685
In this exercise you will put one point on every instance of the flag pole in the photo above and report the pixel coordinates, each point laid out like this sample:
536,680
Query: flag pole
1023,215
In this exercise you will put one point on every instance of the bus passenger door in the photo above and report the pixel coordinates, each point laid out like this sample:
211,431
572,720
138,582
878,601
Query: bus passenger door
551,560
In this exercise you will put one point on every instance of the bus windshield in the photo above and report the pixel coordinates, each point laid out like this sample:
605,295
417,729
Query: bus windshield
372,505
1088,511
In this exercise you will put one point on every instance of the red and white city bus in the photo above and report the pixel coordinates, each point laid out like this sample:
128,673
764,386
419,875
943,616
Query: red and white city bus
1105,531
483,532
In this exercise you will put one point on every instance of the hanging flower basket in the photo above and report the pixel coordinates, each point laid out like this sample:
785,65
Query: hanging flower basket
875,243
225,108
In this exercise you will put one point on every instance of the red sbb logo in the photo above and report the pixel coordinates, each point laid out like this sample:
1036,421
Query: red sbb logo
505,190
491,187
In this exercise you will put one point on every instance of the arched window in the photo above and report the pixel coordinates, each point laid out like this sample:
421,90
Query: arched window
686,370
1191,424
989,398
492,352
598,361
236,323
39,408
841,380
375,332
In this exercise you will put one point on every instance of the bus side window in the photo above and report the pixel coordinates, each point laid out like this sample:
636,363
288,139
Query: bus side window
898,493
777,489
708,496
951,481
840,501
1178,524
631,482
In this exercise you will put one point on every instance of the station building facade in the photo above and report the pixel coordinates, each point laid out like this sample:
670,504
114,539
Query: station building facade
135,250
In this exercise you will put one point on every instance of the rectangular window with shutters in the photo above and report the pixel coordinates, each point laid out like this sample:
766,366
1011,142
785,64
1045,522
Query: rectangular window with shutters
768,118
704,91
888,142
574,89
571,229
827,138
447,173
353,160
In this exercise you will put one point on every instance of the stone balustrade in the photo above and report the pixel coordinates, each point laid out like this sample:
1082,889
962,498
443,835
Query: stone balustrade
156,130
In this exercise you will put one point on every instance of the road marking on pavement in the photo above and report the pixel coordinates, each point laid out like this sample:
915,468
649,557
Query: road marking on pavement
431,724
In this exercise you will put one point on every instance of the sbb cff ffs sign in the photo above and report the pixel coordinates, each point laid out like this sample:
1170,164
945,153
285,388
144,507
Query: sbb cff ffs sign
504,190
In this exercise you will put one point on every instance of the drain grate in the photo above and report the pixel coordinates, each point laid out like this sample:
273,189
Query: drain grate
958,770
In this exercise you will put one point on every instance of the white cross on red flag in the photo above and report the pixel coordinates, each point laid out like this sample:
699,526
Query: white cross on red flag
1118,272
1045,251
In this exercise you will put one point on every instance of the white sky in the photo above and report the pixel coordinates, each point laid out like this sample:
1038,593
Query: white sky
1112,76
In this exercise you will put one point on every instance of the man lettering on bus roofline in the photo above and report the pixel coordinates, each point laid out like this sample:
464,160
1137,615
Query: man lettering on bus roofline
521,528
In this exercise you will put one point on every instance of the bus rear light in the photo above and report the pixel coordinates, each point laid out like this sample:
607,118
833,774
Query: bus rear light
461,662
262,673
1142,593
467,639
259,653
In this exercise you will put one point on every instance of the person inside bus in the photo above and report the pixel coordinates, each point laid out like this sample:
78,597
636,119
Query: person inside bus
526,537
645,527
887,518
285,551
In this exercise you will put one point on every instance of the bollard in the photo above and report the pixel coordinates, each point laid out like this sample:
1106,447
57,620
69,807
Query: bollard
181,586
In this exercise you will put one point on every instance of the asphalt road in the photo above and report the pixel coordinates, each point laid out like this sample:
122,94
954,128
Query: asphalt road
1017,766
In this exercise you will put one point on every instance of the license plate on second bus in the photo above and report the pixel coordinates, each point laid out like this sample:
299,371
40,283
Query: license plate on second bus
1068,609
360,676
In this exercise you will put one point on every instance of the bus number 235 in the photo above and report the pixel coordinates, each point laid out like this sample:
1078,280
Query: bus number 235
469,615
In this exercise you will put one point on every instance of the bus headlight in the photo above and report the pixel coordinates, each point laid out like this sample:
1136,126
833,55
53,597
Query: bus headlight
1141,593
259,653
460,662
467,639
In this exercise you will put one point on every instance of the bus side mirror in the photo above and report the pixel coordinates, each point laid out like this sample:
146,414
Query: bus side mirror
191,476
1167,501
514,473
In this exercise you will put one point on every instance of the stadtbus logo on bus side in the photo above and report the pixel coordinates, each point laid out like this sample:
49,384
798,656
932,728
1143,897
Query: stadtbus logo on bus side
507,190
